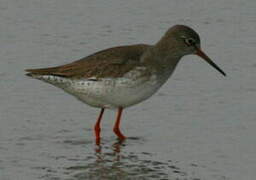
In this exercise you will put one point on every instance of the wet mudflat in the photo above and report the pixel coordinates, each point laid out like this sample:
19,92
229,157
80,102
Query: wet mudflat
198,126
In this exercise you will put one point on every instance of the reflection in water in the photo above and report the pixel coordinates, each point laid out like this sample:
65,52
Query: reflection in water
117,161
113,163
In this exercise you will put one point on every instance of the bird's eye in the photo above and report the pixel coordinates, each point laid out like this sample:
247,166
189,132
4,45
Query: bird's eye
190,41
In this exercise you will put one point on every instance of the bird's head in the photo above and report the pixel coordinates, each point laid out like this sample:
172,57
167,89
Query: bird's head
182,40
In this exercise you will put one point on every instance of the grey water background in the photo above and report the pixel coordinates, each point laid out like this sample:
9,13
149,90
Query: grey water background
200,125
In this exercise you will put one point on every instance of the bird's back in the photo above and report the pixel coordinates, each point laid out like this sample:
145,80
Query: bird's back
112,62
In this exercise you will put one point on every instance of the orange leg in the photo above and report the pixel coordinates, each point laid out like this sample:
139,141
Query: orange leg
117,124
97,127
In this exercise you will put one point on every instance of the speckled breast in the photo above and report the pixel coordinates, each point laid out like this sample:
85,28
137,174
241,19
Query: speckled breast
134,87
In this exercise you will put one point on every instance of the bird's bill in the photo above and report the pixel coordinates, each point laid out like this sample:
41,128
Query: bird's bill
200,53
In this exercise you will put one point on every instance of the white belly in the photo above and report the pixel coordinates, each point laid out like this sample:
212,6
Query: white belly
110,92
113,93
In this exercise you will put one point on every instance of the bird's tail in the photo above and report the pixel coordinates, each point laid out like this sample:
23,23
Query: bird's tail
40,72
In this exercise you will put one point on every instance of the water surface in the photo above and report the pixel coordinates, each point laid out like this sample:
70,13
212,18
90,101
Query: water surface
200,125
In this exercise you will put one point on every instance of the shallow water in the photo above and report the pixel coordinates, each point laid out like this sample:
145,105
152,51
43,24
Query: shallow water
200,125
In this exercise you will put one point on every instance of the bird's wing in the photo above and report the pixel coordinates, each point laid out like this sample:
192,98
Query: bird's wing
113,62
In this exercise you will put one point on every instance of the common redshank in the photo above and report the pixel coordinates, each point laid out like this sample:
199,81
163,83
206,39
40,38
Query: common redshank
123,76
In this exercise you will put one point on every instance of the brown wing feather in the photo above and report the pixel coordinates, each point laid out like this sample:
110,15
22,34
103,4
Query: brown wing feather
113,62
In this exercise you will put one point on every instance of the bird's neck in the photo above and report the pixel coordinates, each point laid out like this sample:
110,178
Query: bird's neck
162,60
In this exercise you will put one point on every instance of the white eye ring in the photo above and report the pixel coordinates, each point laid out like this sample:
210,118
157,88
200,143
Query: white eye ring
190,41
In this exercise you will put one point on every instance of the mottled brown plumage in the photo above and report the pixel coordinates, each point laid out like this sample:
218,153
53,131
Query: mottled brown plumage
112,62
